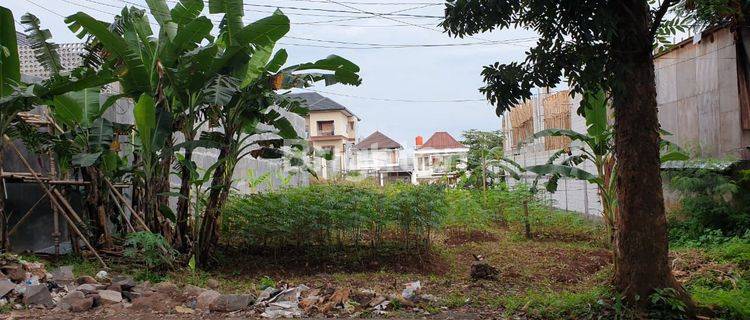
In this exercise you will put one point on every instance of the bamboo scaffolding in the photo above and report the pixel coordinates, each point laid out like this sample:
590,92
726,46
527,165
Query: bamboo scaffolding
56,201
125,201
26,215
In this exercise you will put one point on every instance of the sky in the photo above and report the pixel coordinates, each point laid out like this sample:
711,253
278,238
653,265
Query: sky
406,91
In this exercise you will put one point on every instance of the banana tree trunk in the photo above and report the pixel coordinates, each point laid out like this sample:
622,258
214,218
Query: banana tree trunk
4,241
182,235
220,185
161,181
96,203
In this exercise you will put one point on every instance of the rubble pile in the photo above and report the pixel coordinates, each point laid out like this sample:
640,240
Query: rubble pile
28,285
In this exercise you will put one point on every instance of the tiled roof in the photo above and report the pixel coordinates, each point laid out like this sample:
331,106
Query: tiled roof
316,102
441,140
377,140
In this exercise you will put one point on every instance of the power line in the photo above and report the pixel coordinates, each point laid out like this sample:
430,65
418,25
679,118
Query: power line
390,18
397,100
346,11
399,46
359,46
370,3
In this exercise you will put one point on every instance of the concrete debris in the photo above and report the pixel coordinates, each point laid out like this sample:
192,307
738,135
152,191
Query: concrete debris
231,302
102,275
292,294
63,291
110,297
6,286
206,298
38,295
283,309
266,294
63,275
411,290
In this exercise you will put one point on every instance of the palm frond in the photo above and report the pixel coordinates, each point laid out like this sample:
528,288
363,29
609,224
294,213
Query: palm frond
45,51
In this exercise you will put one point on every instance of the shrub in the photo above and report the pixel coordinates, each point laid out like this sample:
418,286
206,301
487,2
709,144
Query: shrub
151,249
328,214
710,201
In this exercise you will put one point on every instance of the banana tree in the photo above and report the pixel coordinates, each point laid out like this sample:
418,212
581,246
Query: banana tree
171,68
252,119
16,96
10,76
595,147
85,137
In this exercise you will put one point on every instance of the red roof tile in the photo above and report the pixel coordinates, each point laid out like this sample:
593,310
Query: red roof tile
441,140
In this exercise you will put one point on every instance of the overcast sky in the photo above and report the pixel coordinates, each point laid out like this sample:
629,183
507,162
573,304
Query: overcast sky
434,73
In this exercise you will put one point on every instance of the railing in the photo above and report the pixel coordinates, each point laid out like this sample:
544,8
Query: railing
325,133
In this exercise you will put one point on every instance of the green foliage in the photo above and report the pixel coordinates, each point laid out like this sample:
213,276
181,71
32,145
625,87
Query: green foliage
151,249
727,303
334,214
484,147
710,202
665,304
266,282
556,305
10,67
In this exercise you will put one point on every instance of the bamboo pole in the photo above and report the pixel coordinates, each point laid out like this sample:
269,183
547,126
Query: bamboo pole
59,196
125,201
119,209
55,201
26,215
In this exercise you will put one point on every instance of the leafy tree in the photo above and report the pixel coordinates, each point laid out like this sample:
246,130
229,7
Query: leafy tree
16,96
10,76
484,146
605,46
171,68
250,117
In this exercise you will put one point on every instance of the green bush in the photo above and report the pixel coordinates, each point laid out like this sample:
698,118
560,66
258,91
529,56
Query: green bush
335,214
151,249
709,201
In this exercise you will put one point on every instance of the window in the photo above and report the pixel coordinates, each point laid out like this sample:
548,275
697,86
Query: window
351,126
394,157
325,128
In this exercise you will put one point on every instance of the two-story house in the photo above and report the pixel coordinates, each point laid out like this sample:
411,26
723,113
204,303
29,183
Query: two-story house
331,128
438,158
380,157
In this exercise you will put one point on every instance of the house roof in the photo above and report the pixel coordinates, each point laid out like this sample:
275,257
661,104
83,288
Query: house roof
316,102
689,40
377,140
441,140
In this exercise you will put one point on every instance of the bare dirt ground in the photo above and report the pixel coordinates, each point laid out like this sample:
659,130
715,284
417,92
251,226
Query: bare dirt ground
570,263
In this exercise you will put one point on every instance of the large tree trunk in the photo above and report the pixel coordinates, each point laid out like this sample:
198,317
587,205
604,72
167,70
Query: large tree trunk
182,239
641,245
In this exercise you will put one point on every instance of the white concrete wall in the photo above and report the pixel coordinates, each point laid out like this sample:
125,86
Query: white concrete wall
572,195
375,159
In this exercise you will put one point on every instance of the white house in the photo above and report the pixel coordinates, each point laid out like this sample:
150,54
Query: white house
381,157
436,159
